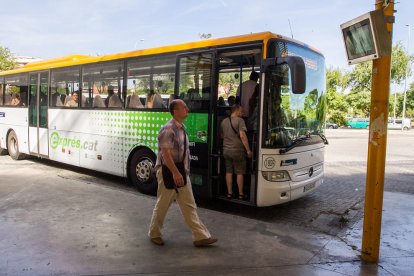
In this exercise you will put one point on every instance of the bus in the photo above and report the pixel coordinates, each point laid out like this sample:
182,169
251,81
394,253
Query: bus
121,102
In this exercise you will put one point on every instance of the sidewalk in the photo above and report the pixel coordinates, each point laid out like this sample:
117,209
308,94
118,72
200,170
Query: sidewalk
50,224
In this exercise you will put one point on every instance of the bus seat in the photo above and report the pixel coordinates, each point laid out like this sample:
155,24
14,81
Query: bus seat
170,99
58,101
68,98
84,101
98,102
8,99
135,102
157,102
114,101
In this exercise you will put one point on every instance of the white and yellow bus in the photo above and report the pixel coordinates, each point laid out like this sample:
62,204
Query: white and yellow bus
122,102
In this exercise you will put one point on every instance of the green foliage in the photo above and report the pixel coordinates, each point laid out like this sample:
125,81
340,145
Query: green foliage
409,111
230,81
400,62
360,102
338,117
337,107
409,108
6,59
357,84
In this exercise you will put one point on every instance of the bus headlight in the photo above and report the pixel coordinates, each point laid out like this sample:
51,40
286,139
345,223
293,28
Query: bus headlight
276,176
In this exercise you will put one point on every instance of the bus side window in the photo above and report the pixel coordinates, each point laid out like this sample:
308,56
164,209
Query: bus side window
105,79
195,80
1,90
151,80
16,90
63,82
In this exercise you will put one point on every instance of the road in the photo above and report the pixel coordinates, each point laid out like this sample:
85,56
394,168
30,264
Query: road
338,202
332,208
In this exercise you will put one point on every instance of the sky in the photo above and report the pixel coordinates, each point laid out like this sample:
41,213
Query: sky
53,28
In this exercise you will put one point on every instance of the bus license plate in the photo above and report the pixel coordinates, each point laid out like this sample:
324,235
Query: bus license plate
309,186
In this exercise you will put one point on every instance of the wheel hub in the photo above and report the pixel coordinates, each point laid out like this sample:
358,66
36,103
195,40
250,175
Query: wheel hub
144,170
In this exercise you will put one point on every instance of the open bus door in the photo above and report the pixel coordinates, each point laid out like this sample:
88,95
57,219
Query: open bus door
38,131
233,68
194,85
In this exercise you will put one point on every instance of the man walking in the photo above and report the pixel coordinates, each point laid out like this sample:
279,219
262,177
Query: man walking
173,148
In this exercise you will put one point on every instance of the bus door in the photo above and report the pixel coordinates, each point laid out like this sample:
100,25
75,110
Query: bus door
234,67
194,85
38,132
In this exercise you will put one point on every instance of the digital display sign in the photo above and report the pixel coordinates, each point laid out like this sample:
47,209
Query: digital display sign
366,37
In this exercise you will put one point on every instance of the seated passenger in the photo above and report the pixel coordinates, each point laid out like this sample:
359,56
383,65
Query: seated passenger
15,100
73,101
221,101
154,100
110,93
231,100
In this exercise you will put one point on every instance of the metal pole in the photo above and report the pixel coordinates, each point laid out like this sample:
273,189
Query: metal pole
395,105
381,69
406,72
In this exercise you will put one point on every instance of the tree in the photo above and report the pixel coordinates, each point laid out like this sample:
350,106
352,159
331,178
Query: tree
409,106
410,102
6,59
335,86
359,79
400,61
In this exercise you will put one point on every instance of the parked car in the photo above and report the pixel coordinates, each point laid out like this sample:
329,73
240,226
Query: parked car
399,124
331,125
359,123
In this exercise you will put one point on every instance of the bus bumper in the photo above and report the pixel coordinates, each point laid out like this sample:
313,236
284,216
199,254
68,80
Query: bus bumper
274,193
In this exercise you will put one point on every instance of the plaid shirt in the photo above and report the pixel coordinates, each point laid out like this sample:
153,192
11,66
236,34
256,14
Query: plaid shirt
171,136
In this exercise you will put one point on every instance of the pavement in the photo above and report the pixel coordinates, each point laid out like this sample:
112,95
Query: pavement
55,221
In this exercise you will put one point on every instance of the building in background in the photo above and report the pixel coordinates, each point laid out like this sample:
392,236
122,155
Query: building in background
21,61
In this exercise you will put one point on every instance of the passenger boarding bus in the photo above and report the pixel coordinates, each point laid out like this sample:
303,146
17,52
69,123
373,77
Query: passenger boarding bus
104,113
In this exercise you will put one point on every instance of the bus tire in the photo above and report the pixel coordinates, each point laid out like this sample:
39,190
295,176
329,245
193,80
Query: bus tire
141,171
13,146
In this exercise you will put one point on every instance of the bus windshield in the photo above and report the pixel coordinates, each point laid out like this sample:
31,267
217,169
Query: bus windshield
289,117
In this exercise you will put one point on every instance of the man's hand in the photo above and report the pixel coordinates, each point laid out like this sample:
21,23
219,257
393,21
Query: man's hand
178,179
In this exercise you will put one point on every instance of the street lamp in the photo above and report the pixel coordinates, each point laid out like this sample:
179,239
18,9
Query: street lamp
406,72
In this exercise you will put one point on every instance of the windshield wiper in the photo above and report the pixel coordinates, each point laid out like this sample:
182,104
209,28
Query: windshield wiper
295,143
325,141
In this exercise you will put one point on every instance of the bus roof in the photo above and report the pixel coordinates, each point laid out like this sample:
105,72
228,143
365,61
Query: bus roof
83,59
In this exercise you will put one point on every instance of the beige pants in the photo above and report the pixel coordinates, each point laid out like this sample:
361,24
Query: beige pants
188,207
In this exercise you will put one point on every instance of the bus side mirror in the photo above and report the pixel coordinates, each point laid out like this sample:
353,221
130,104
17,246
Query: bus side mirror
297,71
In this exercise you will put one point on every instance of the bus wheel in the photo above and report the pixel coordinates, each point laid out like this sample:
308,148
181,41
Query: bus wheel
13,146
141,171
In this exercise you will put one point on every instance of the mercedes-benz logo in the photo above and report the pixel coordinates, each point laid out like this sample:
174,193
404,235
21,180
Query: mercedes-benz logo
310,173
